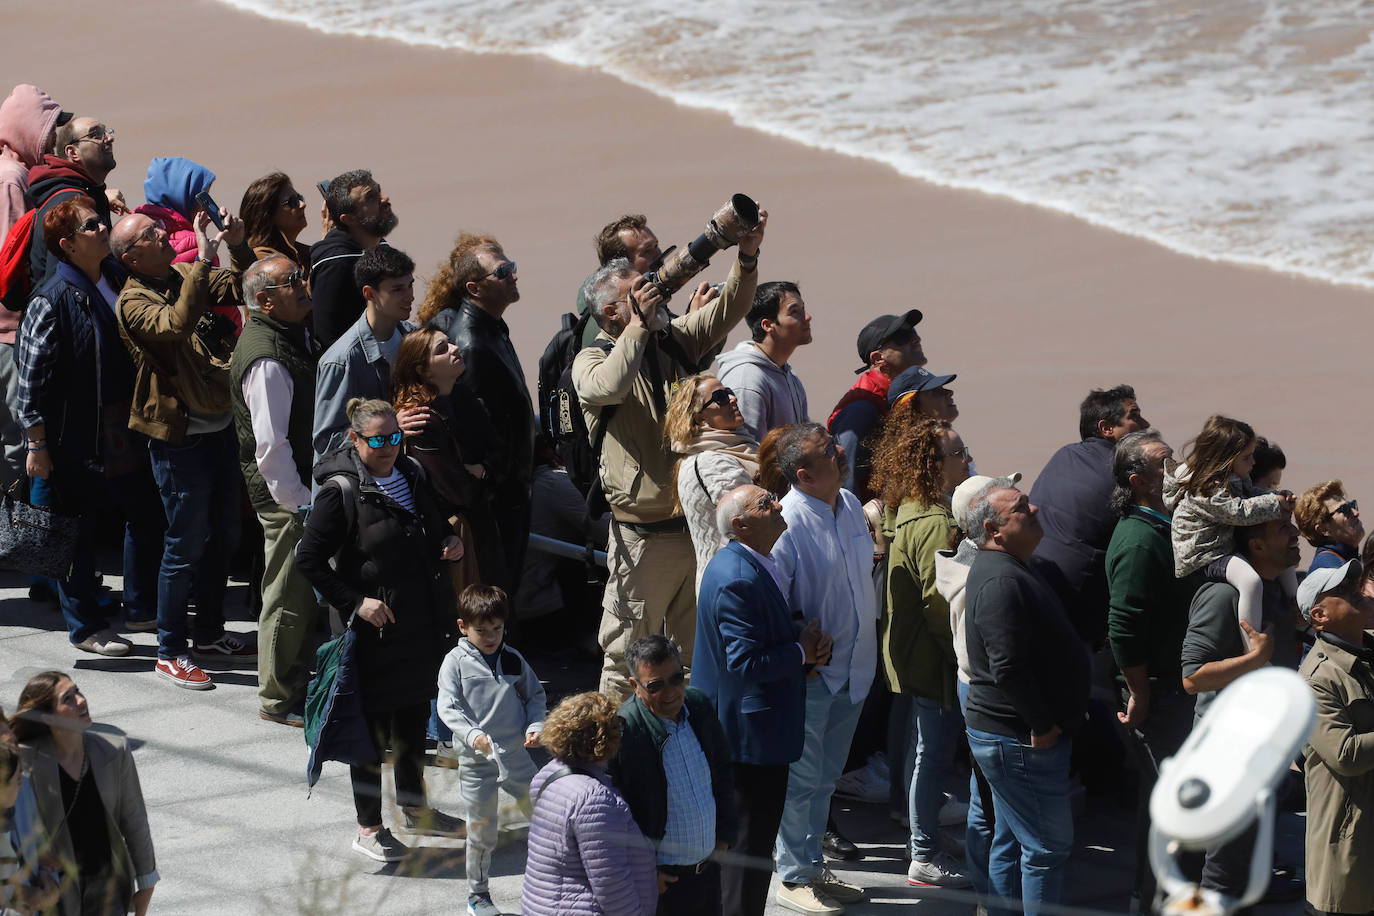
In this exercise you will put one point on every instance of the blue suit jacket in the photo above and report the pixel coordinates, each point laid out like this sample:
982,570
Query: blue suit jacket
746,659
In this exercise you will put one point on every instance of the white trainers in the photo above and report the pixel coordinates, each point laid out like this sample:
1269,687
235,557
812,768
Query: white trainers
940,871
863,784
953,812
445,755
804,898
106,642
380,846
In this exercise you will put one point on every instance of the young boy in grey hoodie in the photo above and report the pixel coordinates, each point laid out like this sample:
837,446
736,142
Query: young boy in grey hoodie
491,698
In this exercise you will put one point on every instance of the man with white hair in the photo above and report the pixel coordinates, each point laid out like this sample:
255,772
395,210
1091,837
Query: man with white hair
272,386
1028,695
624,383
751,663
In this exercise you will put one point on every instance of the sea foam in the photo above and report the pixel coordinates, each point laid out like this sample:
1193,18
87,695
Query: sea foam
1236,131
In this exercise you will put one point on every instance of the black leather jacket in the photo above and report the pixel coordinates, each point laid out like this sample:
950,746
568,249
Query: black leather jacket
494,375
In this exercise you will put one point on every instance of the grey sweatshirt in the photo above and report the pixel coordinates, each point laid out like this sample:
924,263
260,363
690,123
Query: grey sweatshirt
769,396
505,706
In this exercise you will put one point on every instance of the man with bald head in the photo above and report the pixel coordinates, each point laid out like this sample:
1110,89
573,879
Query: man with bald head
751,663
272,376
1028,695
181,348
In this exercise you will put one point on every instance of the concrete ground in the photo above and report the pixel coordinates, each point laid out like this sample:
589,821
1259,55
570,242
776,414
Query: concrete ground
235,832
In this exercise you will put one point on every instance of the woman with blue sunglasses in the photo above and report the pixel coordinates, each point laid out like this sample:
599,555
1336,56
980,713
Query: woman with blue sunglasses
377,518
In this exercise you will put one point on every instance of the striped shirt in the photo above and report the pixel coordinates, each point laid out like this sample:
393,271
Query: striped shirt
690,834
395,486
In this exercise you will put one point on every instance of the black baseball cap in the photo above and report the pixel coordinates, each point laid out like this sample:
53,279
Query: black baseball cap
879,330
63,116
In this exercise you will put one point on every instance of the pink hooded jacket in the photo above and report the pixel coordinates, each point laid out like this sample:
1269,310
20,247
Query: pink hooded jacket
27,120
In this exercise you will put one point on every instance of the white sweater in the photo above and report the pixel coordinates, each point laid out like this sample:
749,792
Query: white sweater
721,472
951,575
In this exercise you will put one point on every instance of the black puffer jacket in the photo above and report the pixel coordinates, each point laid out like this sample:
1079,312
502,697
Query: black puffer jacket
389,554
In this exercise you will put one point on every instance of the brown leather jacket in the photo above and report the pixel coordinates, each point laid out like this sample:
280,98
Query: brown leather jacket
176,370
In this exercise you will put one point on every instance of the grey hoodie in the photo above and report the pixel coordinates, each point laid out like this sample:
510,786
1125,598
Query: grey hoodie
506,707
769,396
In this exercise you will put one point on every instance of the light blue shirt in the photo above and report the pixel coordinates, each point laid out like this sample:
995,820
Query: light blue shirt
690,834
825,559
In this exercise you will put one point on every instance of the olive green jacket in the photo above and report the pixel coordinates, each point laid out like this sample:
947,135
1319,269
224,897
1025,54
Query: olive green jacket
914,632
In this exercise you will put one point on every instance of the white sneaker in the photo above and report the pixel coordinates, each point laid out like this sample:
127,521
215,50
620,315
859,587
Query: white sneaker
953,812
803,898
445,755
862,785
106,642
938,872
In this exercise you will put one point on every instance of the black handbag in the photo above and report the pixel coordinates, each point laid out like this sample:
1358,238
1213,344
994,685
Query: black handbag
35,539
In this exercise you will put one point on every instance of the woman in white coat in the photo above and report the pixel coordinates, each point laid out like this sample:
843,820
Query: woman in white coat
704,425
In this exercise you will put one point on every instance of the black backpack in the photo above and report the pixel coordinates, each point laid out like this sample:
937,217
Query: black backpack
560,411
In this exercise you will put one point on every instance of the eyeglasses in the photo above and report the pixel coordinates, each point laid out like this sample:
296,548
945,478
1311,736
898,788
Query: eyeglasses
504,272
830,450
149,234
91,225
296,279
294,201
963,454
384,440
720,396
98,134
1345,509
676,679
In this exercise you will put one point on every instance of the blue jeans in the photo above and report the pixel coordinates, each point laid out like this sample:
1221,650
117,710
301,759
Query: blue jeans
978,834
199,481
437,729
934,739
89,492
1030,790
830,723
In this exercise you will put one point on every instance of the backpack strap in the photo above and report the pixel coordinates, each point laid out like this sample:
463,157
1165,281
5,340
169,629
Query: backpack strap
696,469
557,775
349,489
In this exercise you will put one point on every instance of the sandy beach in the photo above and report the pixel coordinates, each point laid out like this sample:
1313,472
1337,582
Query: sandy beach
1030,308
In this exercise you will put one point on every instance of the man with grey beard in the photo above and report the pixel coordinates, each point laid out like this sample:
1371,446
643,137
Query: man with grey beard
624,382
362,218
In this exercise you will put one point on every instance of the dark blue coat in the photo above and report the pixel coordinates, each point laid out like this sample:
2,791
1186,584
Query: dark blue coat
746,659
1073,494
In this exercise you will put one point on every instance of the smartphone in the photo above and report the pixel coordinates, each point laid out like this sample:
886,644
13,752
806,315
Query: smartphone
207,203
324,188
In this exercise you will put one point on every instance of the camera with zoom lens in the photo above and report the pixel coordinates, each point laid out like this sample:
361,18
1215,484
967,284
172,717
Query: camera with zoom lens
727,226
216,332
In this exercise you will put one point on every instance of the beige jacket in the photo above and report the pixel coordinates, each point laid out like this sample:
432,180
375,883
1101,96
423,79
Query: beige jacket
636,462
1339,767
175,372
126,819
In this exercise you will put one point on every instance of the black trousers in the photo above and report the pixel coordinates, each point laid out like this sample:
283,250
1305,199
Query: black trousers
692,894
760,792
403,730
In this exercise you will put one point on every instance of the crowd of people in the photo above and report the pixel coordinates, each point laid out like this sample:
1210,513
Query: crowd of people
787,603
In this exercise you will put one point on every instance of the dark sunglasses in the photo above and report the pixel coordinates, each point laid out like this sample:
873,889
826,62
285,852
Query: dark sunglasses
672,680
295,279
91,225
1345,509
503,272
380,441
720,396
294,201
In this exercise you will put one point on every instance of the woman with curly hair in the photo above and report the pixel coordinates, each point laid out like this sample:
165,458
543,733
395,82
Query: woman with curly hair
916,467
703,424
586,855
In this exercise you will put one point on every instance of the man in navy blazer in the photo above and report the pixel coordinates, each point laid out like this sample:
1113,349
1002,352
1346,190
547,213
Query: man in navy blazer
752,663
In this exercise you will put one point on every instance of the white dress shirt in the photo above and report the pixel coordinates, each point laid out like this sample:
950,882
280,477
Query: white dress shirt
825,559
267,388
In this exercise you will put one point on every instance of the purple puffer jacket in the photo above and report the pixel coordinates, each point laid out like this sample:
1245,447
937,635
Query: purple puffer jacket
586,854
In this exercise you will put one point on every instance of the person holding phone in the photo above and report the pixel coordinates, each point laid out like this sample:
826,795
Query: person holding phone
376,516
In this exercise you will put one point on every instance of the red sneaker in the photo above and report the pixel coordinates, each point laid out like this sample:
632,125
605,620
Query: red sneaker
184,673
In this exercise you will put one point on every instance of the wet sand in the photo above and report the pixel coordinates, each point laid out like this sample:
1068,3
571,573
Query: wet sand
1030,308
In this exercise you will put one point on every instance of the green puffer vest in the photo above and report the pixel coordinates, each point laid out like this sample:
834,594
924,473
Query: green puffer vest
267,338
